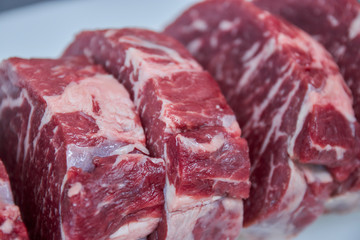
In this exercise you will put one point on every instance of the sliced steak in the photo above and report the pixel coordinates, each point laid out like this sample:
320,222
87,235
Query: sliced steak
336,25
187,122
11,224
291,101
75,150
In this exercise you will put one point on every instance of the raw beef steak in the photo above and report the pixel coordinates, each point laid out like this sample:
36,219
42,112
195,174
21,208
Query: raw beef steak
187,122
11,225
75,150
291,102
335,24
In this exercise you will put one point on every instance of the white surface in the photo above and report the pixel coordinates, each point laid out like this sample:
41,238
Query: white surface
44,30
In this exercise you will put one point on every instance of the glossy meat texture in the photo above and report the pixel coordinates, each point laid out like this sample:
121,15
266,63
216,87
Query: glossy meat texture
75,150
120,197
291,103
11,224
336,25
187,122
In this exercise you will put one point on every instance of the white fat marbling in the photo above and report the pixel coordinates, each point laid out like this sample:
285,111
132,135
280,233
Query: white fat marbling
214,145
252,64
75,189
81,157
231,124
251,52
62,230
254,120
276,122
354,29
145,66
200,25
7,226
278,224
180,224
129,148
340,151
195,45
332,20
121,157
115,118
226,25
135,230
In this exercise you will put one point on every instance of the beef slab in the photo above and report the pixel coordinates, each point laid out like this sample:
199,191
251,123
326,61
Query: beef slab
75,151
11,224
291,101
336,25
187,122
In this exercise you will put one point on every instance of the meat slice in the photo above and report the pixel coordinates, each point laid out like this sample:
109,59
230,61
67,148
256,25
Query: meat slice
75,150
11,224
187,122
291,101
125,191
336,25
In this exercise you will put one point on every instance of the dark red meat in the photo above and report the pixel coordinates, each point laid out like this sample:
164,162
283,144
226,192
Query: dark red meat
336,25
187,122
291,101
73,143
123,190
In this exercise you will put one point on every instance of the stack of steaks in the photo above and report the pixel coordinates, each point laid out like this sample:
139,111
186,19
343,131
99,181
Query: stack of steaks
292,103
132,134
187,122
76,145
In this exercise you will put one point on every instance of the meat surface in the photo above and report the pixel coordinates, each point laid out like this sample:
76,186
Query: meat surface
75,150
338,31
336,25
187,122
11,224
291,102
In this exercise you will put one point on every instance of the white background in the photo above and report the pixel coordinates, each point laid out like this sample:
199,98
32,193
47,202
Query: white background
44,30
